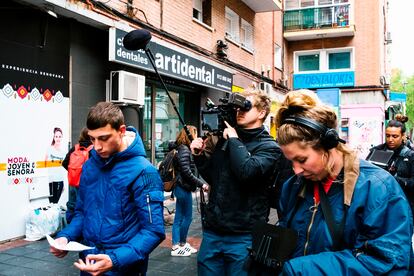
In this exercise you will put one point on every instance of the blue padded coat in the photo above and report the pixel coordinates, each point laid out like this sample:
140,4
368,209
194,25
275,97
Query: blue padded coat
119,209
377,230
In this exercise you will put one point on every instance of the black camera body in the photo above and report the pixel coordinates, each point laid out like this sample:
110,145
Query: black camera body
213,116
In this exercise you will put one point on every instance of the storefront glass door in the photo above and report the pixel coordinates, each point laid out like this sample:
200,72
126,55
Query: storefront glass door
167,124
161,122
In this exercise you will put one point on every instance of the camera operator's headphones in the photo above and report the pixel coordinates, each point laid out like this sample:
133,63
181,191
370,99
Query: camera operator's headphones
329,137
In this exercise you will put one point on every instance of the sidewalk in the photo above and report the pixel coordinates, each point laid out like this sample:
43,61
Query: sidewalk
33,258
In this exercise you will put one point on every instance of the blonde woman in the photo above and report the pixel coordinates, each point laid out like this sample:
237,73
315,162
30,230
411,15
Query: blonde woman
371,228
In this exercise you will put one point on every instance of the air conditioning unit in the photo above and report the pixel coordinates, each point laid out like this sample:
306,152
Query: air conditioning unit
265,87
126,87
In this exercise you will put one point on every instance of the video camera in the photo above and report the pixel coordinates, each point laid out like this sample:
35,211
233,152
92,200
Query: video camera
213,116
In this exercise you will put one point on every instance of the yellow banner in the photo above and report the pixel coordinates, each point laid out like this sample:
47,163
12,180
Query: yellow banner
39,164
48,164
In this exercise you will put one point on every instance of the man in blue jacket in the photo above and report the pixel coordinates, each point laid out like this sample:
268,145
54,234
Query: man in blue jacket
119,209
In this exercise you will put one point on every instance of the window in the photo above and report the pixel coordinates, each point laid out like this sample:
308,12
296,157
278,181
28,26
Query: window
232,25
296,4
309,62
198,9
307,3
278,57
246,32
291,4
202,11
325,2
339,60
336,59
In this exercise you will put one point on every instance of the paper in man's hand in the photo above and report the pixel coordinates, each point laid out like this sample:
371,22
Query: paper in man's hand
70,246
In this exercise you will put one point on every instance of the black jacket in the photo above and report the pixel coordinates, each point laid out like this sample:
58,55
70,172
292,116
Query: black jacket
402,168
238,175
187,176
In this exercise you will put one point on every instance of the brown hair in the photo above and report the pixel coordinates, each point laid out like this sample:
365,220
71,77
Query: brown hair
398,122
304,103
104,113
182,138
56,129
83,136
260,100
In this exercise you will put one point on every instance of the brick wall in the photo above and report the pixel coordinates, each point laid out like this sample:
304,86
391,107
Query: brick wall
368,43
176,18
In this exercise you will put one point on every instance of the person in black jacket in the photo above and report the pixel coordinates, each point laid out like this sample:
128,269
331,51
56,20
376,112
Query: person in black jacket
402,162
238,175
85,142
187,182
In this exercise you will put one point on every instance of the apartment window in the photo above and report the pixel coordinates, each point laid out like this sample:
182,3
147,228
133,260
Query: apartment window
308,62
325,2
307,3
339,60
202,11
246,33
232,25
324,60
296,4
278,57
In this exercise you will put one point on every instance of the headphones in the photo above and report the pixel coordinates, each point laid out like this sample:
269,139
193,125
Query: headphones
329,137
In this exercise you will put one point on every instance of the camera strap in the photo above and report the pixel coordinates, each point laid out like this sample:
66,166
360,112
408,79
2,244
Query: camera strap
336,230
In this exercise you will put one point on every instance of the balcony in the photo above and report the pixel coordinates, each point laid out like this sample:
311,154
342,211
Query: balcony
322,22
264,5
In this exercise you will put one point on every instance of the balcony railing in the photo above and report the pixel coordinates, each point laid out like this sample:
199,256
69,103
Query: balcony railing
316,18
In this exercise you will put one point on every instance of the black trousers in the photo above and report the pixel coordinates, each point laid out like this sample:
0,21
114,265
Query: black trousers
55,189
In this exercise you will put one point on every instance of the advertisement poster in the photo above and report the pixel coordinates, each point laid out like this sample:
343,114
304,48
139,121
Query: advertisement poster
34,116
364,134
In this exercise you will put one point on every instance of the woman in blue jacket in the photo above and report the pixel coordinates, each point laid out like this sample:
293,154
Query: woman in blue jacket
369,228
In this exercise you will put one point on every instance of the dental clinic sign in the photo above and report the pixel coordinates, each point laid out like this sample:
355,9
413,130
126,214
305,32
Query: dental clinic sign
169,62
324,80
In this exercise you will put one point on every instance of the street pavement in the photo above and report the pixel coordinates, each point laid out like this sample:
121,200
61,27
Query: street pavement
33,258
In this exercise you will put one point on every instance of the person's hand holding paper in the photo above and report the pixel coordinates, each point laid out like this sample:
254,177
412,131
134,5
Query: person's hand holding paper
60,245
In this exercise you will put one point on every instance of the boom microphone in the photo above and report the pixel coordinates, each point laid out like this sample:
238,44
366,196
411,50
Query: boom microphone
137,40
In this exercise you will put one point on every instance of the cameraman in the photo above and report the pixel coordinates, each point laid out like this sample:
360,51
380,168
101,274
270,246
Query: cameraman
237,171
402,162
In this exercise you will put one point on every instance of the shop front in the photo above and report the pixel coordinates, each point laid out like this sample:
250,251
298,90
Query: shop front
360,114
189,79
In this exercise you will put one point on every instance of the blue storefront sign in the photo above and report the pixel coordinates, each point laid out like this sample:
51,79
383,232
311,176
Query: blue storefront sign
324,80
398,97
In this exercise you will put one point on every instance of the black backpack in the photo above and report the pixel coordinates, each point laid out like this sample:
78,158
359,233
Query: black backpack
166,169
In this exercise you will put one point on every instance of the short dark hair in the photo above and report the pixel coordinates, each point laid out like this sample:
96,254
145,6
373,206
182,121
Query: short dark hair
104,113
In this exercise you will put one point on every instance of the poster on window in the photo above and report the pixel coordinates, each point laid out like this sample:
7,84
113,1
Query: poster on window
34,116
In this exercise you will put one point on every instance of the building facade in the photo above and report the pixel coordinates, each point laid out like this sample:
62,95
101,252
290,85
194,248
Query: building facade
339,49
58,58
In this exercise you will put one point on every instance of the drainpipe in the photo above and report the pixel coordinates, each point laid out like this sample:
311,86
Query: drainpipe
161,13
